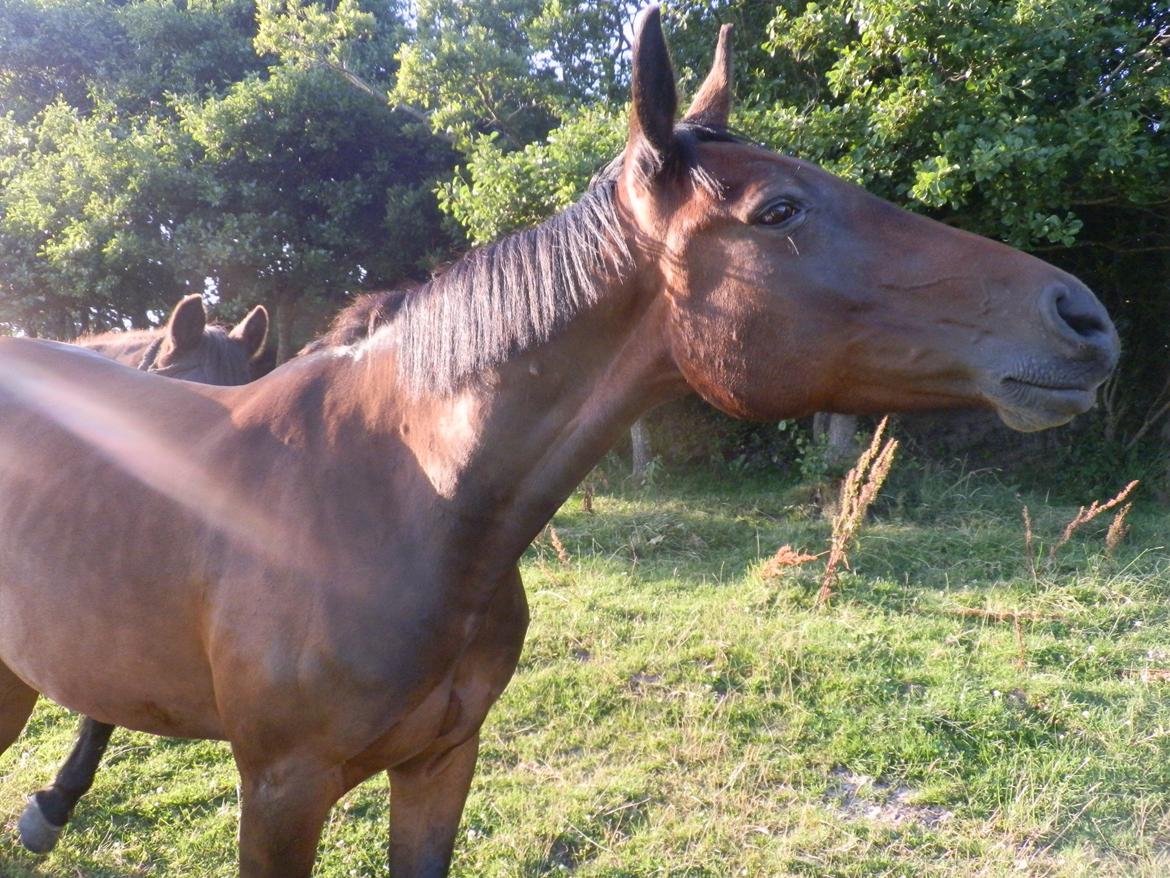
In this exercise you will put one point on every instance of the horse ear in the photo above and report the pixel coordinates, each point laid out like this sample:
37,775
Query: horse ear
252,330
712,105
655,100
188,320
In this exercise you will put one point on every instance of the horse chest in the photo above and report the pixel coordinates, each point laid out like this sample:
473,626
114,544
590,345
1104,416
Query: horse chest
453,710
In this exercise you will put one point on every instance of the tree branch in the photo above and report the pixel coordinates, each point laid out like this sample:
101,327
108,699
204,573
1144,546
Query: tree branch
1162,37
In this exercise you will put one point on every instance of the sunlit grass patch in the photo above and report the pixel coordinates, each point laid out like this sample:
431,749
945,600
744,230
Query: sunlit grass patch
678,713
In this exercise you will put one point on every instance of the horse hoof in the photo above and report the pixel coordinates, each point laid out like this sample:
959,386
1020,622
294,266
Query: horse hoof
36,832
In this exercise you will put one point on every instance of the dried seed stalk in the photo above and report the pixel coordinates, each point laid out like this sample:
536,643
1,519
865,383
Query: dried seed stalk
1118,529
1085,515
785,557
562,553
1029,544
858,491
587,496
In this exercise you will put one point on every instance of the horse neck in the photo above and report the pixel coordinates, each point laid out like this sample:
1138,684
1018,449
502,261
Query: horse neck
508,449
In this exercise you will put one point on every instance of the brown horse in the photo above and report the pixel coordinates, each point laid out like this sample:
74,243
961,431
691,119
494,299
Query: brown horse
186,348
189,348
320,566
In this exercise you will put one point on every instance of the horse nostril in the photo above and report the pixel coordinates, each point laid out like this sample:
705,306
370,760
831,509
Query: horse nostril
1083,322
1075,314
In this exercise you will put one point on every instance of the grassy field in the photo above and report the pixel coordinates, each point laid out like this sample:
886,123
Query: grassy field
677,713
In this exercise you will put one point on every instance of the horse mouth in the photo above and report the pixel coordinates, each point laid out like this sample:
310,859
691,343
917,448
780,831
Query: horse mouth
1028,404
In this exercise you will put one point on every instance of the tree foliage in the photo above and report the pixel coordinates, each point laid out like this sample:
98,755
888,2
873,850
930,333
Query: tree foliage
1010,118
88,211
155,147
512,67
130,55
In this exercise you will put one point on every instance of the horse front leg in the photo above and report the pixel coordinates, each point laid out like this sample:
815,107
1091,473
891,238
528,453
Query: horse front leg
428,792
426,802
48,810
283,806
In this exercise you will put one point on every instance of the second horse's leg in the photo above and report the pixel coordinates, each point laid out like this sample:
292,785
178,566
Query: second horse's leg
48,810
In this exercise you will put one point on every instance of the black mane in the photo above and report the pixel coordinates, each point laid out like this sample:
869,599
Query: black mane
508,296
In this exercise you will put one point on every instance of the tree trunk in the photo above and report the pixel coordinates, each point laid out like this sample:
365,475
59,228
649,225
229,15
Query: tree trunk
837,432
285,318
64,326
640,442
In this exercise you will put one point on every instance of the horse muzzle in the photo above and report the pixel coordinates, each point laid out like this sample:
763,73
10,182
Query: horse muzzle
1078,351
1038,394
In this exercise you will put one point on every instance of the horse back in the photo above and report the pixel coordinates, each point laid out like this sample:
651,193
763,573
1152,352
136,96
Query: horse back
122,347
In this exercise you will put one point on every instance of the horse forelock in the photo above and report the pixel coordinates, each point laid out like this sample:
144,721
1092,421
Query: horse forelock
684,161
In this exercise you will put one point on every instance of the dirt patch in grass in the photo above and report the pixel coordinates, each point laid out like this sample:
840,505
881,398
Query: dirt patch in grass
860,796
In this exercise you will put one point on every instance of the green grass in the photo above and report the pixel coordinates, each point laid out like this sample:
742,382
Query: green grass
675,714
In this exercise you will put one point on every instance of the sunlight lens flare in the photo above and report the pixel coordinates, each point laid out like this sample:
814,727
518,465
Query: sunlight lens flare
144,453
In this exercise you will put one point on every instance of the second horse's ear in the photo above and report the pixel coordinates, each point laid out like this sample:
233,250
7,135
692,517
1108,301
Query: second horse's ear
654,99
712,105
187,322
252,330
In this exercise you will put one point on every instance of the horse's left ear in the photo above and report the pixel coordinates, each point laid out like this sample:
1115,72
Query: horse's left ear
654,98
712,105
188,320
252,330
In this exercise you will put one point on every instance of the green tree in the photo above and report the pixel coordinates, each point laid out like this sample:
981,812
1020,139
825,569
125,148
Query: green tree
150,147
129,54
88,213
1012,119
512,68
318,190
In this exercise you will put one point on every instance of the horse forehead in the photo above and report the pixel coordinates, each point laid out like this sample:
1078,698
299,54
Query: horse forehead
204,366
744,167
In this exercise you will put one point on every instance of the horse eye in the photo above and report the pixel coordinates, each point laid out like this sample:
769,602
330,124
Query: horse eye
777,214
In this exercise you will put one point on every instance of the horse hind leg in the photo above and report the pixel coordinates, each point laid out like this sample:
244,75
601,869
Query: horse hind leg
48,810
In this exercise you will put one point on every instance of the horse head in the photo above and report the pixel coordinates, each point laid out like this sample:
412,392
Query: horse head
791,290
192,350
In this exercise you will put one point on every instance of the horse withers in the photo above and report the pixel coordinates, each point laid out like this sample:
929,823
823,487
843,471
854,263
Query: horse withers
190,349
339,594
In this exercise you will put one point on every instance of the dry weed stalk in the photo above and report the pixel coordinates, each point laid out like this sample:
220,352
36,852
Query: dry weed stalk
1118,528
1150,675
587,497
589,489
1002,615
1085,515
1021,652
1013,616
858,491
785,557
562,553
1030,544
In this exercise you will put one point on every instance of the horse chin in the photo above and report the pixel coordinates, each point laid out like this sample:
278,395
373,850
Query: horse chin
1028,407
1025,421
